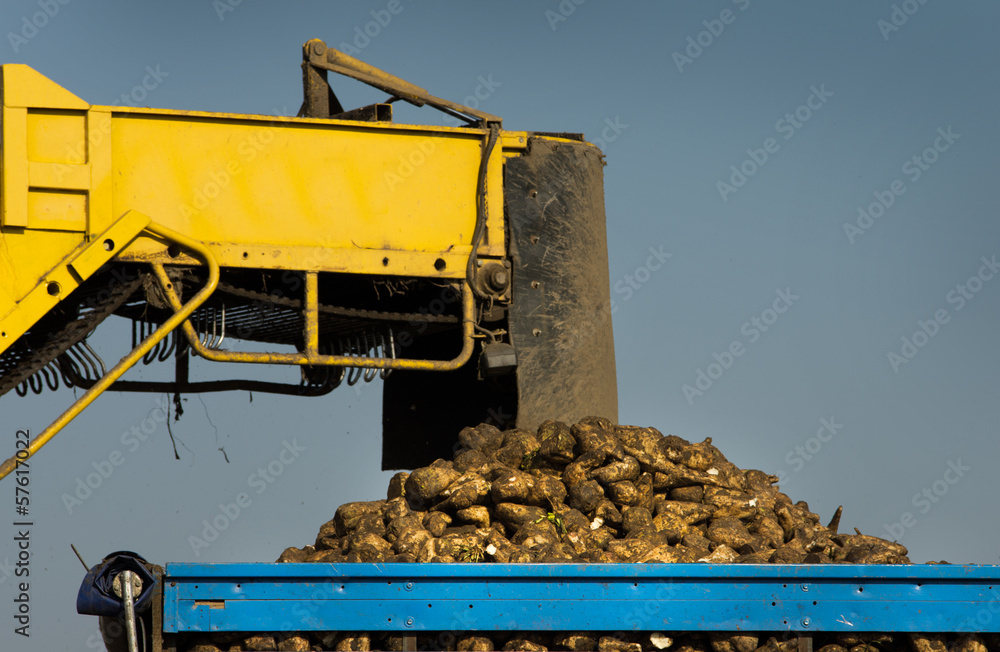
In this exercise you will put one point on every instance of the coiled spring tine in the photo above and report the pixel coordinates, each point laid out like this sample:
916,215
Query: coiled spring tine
370,372
168,347
84,366
392,354
150,356
354,373
222,337
52,380
96,357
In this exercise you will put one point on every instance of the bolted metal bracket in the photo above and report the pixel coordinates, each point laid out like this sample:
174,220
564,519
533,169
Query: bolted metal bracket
493,279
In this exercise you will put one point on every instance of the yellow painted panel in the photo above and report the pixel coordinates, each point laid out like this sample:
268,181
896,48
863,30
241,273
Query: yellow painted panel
57,137
450,265
320,185
57,210
24,87
14,167
53,288
6,305
99,155
103,248
26,256
59,175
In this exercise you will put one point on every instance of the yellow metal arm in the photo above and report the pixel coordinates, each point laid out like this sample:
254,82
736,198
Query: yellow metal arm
180,315
316,53
312,356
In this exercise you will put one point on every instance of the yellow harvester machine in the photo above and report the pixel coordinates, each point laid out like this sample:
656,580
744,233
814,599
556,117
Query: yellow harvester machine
465,265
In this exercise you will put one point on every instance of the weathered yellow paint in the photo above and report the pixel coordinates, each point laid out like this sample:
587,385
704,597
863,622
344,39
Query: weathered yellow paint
24,87
180,315
52,134
50,286
14,187
257,191
336,187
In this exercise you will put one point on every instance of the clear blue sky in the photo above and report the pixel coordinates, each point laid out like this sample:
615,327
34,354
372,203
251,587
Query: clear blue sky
741,137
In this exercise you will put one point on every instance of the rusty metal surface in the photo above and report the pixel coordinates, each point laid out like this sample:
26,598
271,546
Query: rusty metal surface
560,318
372,113
318,58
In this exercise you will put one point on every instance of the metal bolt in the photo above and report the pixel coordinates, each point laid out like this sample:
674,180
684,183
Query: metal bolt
409,586
497,278
805,622
805,587
409,622
318,49
134,581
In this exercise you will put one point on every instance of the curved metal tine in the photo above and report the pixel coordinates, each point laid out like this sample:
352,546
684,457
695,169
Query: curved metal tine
169,343
215,329
74,372
61,362
22,388
35,383
97,358
150,356
222,337
324,349
392,354
87,369
209,338
354,373
370,372
378,351
200,326
51,380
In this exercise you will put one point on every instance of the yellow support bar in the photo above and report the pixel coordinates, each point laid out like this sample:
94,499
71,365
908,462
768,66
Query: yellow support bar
57,283
311,355
180,315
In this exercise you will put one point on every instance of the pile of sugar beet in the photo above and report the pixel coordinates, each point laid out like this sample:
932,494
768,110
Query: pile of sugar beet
591,493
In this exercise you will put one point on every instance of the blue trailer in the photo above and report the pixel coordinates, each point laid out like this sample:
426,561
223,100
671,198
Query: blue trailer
415,600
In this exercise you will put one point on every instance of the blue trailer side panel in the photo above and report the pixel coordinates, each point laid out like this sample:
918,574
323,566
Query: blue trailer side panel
611,597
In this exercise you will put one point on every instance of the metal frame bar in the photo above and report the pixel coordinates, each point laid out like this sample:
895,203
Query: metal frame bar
181,314
598,597
319,56
311,355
